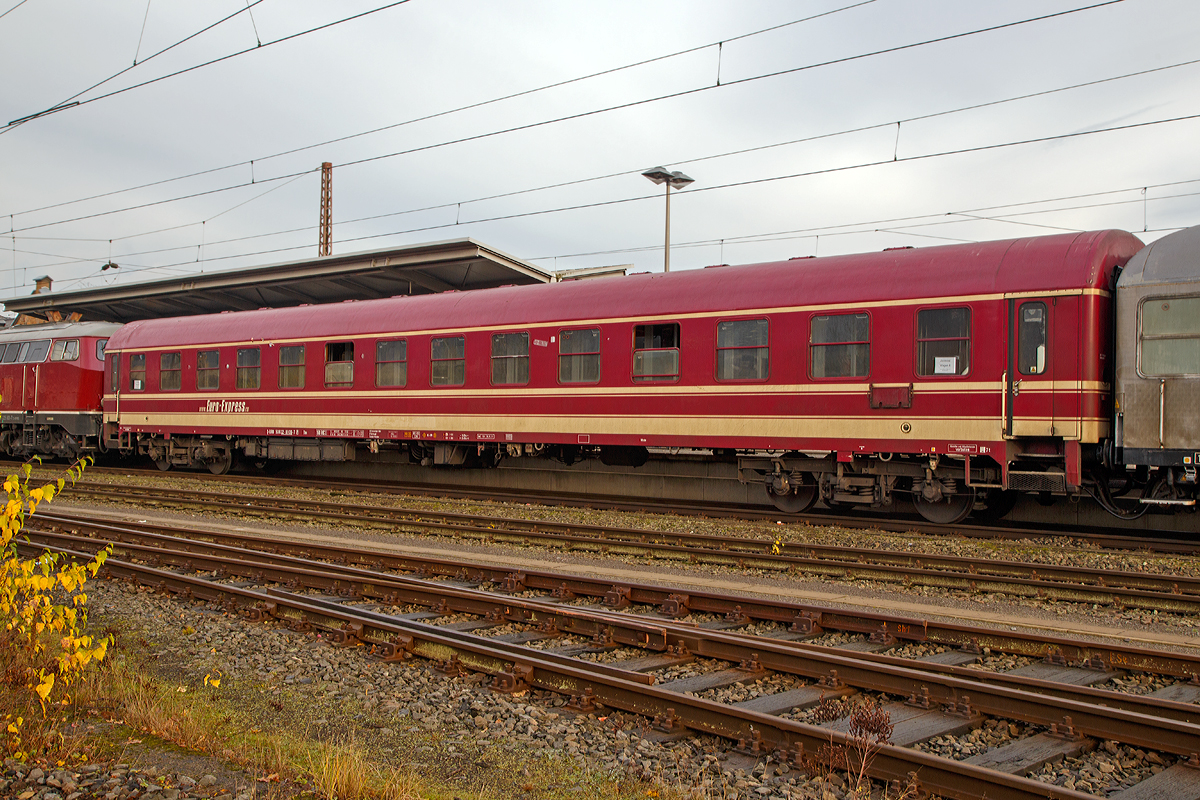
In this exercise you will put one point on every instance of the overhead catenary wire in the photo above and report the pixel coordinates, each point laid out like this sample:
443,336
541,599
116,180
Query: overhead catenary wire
742,151
325,26
570,117
447,112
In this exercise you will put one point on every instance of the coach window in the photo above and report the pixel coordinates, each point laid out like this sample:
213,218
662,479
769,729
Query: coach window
291,367
1031,338
579,356
656,352
208,370
339,364
391,363
1170,336
943,341
742,350
510,359
65,350
11,352
247,368
170,372
114,373
840,346
448,361
137,372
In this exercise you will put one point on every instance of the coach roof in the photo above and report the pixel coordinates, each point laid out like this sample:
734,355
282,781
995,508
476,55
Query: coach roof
1041,264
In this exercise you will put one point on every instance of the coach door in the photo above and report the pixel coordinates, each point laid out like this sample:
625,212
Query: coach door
1029,379
30,392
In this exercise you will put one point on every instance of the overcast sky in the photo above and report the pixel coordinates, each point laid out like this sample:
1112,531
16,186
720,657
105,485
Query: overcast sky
829,170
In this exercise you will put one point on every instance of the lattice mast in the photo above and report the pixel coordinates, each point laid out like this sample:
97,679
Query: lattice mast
325,243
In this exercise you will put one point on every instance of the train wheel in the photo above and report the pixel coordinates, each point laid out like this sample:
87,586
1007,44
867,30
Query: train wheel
797,501
997,504
221,464
163,465
950,509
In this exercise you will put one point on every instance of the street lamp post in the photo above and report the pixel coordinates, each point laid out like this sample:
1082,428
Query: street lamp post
660,175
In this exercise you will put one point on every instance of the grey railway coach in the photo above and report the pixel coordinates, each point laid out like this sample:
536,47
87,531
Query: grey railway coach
1157,370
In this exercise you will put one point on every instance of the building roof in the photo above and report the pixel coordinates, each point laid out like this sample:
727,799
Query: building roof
415,269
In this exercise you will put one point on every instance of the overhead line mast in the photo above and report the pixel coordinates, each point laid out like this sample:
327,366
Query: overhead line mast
325,243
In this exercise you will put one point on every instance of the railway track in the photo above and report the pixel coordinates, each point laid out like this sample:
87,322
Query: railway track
1097,537
1141,590
941,697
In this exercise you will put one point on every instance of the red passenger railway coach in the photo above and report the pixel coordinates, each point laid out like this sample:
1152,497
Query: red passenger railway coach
957,374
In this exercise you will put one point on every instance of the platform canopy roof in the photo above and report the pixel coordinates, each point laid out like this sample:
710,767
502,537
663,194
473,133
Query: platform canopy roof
459,264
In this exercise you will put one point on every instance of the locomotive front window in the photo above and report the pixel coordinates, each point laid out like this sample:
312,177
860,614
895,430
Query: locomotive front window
391,363
448,361
742,352
579,356
510,359
248,368
137,372
170,372
339,364
1031,338
100,345
65,350
291,367
208,370
656,352
840,346
37,351
943,341
11,352
1170,336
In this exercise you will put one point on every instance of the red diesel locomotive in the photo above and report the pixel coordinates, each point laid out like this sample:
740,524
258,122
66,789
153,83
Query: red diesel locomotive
51,381
960,375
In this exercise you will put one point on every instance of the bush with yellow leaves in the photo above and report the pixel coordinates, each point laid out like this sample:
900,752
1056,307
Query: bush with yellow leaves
44,646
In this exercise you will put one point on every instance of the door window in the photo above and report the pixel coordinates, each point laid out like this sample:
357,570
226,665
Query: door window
1031,338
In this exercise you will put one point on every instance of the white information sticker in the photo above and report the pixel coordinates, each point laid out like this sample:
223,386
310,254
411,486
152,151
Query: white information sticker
945,366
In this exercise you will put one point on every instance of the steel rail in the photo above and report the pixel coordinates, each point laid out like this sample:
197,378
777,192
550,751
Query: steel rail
1099,536
757,733
1159,725
803,618
1168,593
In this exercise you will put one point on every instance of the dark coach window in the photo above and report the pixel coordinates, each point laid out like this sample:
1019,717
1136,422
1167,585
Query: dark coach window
248,368
391,363
579,356
339,364
840,346
137,372
170,372
208,370
656,352
943,341
65,350
291,367
448,361
510,359
742,352
1031,338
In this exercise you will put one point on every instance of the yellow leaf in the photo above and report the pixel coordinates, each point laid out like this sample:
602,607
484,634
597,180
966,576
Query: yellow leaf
12,728
43,689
